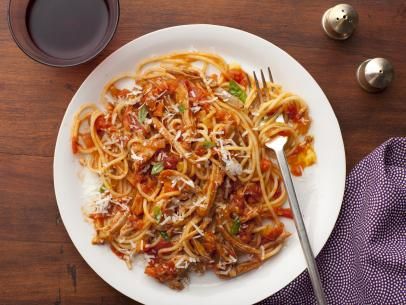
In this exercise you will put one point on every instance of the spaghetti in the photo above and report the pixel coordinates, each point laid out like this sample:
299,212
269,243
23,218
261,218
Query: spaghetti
185,177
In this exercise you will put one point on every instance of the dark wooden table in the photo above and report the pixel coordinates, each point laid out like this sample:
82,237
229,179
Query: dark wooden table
38,262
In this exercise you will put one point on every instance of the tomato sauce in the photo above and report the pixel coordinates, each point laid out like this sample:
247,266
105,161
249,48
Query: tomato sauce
238,76
170,161
75,145
118,93
284,212
272,233
265,165
163,272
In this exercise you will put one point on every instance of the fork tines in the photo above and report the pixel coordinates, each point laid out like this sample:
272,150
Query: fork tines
264,85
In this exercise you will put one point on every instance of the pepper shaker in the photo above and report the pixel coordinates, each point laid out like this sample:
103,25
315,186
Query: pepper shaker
375,74
340,21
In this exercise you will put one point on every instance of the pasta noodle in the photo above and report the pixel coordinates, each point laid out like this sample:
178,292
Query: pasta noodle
185,178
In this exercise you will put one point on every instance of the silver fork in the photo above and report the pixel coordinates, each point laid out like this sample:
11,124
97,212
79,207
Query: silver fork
277,145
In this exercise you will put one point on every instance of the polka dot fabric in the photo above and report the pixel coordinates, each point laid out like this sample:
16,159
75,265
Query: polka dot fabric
364,260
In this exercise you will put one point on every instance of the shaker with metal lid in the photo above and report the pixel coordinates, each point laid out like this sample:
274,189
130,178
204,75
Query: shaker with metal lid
375,74
340,21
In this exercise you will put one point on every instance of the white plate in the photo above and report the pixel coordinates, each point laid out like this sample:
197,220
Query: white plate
320,190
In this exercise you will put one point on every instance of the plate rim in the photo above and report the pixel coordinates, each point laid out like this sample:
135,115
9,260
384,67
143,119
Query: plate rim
139,39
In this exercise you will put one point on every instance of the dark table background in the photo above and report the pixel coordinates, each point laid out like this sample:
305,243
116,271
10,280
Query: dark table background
38,262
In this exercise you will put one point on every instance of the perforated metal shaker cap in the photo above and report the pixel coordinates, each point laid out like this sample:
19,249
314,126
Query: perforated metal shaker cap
375,74
340,21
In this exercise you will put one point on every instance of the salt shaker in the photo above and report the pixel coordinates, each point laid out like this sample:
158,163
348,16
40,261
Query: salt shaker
375,74
340,21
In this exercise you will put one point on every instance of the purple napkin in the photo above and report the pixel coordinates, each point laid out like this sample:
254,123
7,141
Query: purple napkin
364,260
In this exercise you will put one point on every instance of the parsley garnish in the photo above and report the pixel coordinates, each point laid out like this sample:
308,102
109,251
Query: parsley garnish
102,189
236,90
142,114
208,144
157,213
181,108
164,235
157,168
235,227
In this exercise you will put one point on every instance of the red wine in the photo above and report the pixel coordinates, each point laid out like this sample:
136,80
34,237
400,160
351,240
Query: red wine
67,28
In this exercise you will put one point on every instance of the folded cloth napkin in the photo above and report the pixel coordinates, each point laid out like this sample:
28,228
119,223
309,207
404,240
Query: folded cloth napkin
364,260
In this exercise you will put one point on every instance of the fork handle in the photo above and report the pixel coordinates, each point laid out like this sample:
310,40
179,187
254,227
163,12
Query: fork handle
301,230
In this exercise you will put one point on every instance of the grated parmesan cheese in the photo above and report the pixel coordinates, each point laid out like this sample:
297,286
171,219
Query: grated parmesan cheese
148,257
176,179
195,140
160,95
145,169
225,272
168,115
193,260
199,201
113,118
166,220
218,132
209,101
182,263
221,205
160,156
136,157
149,233
231,259
198,230
101,205
177,218
178,135
195,109
188,182
137,87
201,159
110,141
95,202
233,168
120,204
173,109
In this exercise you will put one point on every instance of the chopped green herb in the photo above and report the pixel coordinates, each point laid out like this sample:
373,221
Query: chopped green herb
181,108
235,227
157,168
164,235
102,189
208,144
142,114
236,90
157,213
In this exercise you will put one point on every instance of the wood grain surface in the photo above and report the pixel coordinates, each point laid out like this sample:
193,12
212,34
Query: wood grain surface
38,262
